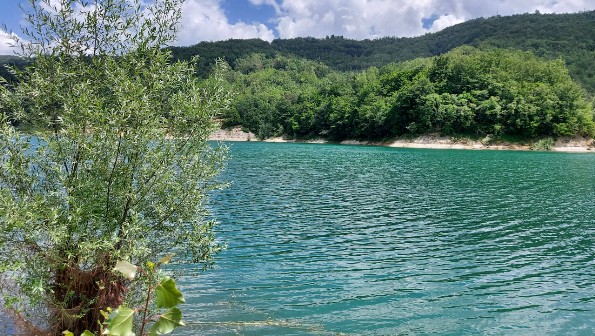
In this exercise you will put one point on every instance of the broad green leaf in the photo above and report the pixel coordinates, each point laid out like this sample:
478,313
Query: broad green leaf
127,269
120,322
87,333
67,333
167,322
168,296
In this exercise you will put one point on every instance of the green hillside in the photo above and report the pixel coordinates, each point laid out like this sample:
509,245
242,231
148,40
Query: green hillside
567,36
525,76
12,60
467,91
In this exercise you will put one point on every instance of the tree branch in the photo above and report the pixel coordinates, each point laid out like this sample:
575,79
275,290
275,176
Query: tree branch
111,177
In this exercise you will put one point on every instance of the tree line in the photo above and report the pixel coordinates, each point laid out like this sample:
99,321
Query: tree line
466,91
550,36
374,89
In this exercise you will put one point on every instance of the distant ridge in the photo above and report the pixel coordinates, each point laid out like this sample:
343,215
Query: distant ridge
567,36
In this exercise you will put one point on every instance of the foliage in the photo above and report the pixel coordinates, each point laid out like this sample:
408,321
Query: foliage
278,96
466,91
85,333
167,296
8,62
550,36
120,321
118,168
231,50
453,93
543,144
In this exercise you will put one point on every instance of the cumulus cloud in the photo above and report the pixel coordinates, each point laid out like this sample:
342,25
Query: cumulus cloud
356,19
204,20
5,43
474,9
445,21
359,19
267,2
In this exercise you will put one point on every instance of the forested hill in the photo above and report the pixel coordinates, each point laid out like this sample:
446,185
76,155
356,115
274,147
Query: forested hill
569,36
12,60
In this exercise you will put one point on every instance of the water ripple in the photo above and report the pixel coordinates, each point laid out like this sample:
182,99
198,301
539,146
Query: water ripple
330,239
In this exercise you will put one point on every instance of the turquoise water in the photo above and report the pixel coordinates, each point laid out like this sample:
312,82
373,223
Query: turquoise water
355,240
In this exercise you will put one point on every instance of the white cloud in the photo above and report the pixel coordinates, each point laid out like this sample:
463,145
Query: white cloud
267,2
361,19
474,9
445,21
356,19
204,20
5,43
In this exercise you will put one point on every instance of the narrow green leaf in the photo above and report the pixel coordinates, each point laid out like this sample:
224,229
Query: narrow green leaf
127,269
165,259
120,322
67,333
167,322
168,296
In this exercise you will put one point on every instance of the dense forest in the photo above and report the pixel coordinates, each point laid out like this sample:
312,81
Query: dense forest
465,91
552,36
11,60
524,76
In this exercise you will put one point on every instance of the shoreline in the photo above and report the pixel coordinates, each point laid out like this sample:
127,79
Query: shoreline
428,141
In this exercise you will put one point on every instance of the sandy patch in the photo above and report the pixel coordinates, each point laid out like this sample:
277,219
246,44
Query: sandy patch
437,141
433,141
276,139
566,144
576,149
281,139
232,134
574,144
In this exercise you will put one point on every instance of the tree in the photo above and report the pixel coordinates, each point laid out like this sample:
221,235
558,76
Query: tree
117,168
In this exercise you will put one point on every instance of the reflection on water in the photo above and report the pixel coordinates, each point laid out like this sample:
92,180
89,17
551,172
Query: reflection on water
327,240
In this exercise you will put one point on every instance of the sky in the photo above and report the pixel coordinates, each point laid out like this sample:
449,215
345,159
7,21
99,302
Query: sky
215,20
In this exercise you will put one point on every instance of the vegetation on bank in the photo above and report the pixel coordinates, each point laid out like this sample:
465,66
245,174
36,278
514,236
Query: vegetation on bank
516,82
398,88
99,178
466,91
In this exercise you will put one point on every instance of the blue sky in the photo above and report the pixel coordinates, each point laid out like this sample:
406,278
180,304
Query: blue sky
213,20
10,13
243,10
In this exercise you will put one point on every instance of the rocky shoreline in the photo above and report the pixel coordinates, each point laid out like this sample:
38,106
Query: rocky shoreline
434,141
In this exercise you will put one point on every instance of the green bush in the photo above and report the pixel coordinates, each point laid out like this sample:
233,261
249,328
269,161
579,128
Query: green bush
545,144
117,166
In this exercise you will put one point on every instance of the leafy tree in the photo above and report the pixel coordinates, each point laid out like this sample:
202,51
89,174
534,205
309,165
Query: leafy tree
465,91
117,168
549,36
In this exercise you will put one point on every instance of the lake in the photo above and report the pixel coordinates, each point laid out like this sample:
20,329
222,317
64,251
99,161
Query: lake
357,240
